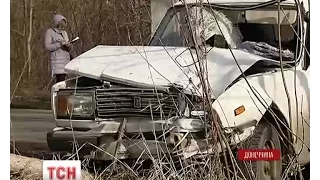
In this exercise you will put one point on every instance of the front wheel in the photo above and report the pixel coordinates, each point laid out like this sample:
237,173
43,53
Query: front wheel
265,136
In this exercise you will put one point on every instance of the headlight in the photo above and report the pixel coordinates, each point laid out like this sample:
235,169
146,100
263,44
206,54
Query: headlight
75,105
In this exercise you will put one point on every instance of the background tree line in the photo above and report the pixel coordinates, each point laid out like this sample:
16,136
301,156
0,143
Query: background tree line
96,22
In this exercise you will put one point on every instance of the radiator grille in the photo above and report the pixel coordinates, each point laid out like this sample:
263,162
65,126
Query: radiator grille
135,102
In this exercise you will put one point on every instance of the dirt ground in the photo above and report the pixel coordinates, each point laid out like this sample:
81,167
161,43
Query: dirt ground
31,168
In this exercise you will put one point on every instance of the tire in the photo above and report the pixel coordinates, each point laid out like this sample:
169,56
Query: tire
263,136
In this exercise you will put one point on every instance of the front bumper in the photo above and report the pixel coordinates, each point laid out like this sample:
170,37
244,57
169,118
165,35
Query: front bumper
100,142
104,146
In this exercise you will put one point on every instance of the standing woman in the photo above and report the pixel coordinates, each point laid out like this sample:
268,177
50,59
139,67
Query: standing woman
56,41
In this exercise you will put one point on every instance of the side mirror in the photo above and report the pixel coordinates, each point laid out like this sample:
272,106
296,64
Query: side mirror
307,16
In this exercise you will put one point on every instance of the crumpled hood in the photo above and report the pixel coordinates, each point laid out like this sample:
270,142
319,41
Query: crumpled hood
57,18
160,66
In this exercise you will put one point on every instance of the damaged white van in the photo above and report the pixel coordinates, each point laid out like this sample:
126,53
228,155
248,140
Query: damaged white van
145,101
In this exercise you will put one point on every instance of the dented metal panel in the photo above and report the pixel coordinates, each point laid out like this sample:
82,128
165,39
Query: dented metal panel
159,66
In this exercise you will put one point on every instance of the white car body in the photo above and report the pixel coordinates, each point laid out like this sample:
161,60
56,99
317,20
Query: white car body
149,66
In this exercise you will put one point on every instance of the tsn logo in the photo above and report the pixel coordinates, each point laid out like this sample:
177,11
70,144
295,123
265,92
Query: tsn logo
61,170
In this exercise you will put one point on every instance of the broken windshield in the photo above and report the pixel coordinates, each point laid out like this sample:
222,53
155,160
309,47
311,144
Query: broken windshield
175,31
234,31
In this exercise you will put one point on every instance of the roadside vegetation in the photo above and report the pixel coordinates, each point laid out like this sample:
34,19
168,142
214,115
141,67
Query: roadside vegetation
112,22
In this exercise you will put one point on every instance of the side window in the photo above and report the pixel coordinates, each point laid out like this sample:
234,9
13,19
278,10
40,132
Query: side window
171,34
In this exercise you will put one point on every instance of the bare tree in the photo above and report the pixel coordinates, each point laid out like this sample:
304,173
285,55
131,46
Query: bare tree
29,38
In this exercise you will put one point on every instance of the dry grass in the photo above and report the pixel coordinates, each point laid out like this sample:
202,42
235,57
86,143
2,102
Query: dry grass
25,168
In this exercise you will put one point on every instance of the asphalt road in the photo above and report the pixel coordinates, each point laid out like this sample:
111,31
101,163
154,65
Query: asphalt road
30,125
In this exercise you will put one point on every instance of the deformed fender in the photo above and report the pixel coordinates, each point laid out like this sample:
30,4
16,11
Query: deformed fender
241,95
267,90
